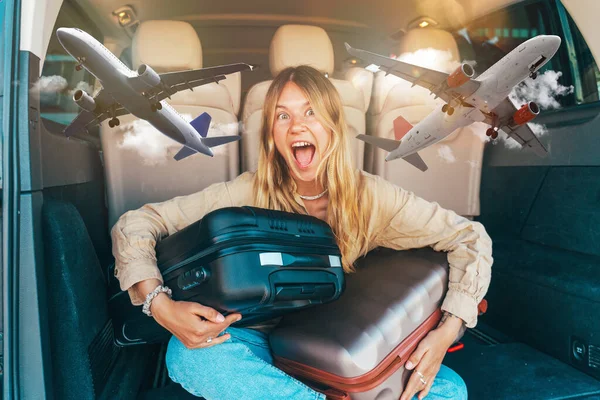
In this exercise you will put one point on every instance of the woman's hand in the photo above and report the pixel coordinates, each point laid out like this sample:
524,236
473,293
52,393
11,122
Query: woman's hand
428,356
192,323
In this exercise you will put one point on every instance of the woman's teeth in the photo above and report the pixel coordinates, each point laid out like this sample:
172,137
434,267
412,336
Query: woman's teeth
301,144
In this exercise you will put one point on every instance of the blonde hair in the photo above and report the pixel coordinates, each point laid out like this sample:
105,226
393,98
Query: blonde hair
274,187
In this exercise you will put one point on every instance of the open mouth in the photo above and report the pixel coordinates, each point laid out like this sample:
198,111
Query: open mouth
304,153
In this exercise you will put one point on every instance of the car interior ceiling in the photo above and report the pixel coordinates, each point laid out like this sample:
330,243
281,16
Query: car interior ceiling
542,218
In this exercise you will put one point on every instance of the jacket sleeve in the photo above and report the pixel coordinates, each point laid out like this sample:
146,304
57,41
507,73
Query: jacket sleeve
136,233
407,221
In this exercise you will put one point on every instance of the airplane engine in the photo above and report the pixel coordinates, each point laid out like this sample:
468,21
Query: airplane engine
84,100
460,76
148,75
526,113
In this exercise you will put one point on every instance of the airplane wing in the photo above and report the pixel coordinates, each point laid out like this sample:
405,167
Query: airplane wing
173,82
434,81
86,119
175,78
521,133
163,94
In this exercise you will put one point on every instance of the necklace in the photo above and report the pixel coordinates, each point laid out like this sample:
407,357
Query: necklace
315,197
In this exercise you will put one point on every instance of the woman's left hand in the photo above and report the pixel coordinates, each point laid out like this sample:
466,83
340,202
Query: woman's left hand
427,359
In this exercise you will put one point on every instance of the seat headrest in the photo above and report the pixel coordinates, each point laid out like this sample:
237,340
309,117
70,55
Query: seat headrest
294,45
166,46
419,38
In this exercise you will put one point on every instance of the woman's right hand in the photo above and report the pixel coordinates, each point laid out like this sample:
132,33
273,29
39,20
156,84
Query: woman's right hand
192,323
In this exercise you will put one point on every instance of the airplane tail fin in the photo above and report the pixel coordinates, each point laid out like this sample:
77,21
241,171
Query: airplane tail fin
204,148
416,161
401,127
219,140
201,124
388,145
184,152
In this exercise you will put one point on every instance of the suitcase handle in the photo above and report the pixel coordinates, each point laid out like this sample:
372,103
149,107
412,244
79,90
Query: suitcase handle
310,291
303,260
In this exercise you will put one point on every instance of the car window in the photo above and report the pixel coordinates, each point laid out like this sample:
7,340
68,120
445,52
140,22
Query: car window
586,68
487,39
59,78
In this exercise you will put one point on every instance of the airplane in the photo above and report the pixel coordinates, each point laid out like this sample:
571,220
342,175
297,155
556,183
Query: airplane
483,99
141,93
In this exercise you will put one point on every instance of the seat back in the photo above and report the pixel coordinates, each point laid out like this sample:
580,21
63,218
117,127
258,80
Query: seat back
454,173
138,159
81,335
294,45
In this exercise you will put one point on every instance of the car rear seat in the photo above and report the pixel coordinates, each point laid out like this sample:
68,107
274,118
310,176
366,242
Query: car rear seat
294,45
86,364
131,180
454,163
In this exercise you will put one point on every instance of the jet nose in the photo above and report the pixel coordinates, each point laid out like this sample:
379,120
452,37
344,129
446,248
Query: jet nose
554,40
551,45
64,35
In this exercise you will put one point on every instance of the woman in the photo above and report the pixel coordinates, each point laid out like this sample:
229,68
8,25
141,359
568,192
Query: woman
304,167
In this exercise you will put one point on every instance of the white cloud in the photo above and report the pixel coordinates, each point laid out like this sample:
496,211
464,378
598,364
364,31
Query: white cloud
446,154
478,129
156,148
150,144
538,129
473,163
49,84
543,90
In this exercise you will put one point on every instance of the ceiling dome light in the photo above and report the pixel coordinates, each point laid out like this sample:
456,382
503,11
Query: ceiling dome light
126,16
422,22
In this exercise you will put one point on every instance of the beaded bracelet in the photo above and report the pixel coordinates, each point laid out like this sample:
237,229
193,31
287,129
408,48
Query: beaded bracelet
159,289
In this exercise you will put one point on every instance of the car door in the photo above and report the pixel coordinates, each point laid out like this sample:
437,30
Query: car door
10,185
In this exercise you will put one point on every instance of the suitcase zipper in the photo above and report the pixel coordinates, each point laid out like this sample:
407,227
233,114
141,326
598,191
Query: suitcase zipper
236,241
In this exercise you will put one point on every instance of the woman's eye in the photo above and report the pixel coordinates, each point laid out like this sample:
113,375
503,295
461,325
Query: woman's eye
282,116
310,112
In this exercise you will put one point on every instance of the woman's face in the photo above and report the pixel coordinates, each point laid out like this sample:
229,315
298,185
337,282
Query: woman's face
299,136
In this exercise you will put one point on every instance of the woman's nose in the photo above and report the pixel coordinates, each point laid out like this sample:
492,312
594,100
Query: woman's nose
298,125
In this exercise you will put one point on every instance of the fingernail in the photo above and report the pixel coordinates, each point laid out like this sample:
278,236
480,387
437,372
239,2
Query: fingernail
408,365
239,319
220,318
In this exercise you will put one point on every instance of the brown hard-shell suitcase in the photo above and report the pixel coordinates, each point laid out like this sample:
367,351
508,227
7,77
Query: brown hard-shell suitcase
356,347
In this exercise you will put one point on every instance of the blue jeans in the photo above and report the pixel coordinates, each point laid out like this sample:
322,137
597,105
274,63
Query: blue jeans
242,368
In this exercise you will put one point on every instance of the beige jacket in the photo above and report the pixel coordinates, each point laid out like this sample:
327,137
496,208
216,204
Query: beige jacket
398,220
